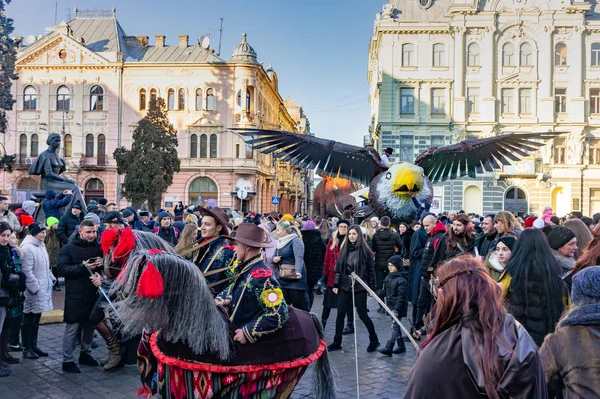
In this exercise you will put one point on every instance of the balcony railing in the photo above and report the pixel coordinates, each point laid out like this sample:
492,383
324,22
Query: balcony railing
93,162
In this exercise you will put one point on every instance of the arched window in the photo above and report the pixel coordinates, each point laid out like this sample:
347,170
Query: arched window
408,54
94,189
101,149
239,98
203,191
560,54
596,54
142,99
96,98
210,100
473,51
203,146
199,102
508,55
171,99
89,145
181,99
439,55
34,145
248,99
22,148
194,146
213,145
526,54
30,98
63,98
68,146
153,95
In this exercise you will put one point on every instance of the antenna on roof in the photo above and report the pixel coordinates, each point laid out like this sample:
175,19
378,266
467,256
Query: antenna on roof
55,12
220,35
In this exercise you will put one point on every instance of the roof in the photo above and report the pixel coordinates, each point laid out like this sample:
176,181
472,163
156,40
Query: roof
174,54
99,34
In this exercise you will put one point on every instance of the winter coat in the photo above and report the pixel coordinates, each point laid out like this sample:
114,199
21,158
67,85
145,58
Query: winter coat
364,268
170,235
80,293
54,203
9,283
485,243
52,246
35,264
314,253
547,215
449,365
395,291
292,253
13,222
417,245
405,239
385,242
434,251
331,257
17,310
467,249
67,225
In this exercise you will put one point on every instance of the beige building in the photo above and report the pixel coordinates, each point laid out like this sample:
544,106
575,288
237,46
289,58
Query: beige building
443,70
92,83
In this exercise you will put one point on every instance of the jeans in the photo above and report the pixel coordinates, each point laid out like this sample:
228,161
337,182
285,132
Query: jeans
345,305
296,298
70,340
423,303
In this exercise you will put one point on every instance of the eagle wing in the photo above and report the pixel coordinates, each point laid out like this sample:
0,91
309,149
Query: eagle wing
327,157
473,156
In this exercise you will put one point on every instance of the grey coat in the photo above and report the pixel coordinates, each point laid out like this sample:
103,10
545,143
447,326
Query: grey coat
39,279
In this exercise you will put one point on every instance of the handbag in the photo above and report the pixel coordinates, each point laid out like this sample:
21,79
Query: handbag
288,272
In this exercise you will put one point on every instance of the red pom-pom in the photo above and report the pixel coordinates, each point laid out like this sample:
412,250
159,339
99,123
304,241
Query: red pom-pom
109,237
151,283
125,245
26,220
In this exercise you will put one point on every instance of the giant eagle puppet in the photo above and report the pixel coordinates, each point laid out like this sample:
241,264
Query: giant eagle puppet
393,188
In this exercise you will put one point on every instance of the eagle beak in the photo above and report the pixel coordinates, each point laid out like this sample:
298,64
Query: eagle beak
407,181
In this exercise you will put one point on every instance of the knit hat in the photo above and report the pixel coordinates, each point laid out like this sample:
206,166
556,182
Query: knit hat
51,221
396,260
310,225
586,285
288,217
162,215
343,221
559,236
596,218
103,201
29,207
113,217
127,213
36,228
76,205
375,219
93,202
547,208
539,223
93,217
238,221
509,241
529,222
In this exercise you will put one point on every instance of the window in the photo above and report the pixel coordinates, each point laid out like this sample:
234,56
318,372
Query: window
199,102
407,101
594,101
248,151
438,101
559,150
210,100
508,55
68,146
203,191
153,95
89,146
525,101
34,145
595,54
170,99
213,145
142,99
439,55
408,54
63,99
96,99
203,146
507,101
472,100
194,146
595,151
560,54
22,148
101,149
237,150
407,147
181,105
438,140
473,59
560,101
248,100
30,98
526,54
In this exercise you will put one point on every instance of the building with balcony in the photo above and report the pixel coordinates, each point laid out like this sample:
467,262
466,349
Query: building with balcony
441,71
92,83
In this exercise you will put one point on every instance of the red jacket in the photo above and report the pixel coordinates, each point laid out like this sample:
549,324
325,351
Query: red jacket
331,257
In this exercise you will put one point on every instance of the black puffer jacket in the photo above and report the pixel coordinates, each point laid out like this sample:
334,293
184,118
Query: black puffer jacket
486,244
314,253
385,242
80,294
67,225
395,290
362,267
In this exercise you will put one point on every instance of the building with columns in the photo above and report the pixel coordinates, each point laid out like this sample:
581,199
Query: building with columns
444,70
90,82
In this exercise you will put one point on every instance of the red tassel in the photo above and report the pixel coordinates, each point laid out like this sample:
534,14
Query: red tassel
151,283
109,237
125,245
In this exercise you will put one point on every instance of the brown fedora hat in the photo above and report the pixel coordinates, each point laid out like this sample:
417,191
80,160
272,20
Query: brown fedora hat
251,235
219,215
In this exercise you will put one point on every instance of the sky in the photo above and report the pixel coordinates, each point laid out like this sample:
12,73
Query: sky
319,48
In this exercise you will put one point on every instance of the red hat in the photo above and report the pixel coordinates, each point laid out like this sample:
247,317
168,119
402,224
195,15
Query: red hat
529,222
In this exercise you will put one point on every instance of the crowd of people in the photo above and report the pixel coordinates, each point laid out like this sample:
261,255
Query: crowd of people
524,293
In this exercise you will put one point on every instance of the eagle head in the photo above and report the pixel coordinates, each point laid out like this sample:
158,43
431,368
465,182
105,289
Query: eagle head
392,192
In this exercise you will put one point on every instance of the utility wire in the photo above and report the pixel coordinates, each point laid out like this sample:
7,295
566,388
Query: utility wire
339,99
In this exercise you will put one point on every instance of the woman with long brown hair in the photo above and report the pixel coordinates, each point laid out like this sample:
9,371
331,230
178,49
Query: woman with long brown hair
507,225
475,348
188,238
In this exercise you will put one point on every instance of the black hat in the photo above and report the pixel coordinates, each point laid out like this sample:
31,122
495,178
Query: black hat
389,150
102,201
509,241
559,236
596,218
144,213
113,217
396,260
76,205
343,221
36,228
587,220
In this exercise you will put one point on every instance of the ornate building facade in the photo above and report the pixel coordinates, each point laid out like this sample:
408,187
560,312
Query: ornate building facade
92,83
443,70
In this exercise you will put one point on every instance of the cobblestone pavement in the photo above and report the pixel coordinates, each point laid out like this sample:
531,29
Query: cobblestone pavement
380,377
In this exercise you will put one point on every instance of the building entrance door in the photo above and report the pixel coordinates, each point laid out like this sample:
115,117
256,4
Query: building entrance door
515,201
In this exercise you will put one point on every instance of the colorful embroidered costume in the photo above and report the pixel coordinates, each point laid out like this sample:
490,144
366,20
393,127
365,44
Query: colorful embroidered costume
216,256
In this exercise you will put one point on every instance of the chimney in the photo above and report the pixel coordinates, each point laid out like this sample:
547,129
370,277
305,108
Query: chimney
183,40
160,41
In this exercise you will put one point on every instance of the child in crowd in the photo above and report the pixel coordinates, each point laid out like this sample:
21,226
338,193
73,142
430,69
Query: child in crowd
395,291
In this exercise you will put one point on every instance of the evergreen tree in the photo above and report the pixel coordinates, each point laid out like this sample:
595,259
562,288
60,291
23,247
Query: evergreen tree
152,161
8,58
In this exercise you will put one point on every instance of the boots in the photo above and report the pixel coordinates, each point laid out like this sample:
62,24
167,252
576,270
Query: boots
27,333
373,343
388,348
114,353
35,328
401,346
